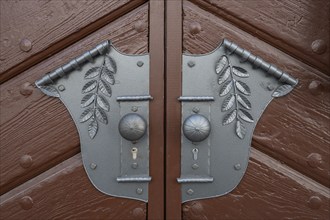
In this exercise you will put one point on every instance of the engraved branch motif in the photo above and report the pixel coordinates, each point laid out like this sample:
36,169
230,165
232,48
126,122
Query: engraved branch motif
239,90
95,103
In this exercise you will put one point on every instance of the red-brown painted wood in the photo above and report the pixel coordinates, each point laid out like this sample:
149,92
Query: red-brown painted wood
293,129
64,192
269,190
173,107
300,28
36,130
156,110
34,30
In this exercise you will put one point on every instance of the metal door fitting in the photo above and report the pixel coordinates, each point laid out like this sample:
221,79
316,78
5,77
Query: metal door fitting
224,93
107,95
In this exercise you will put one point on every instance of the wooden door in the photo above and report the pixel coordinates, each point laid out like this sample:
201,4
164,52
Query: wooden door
42,176
288,172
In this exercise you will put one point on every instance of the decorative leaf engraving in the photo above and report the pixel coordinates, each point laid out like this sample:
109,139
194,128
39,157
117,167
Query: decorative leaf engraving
245,115
227,86
105,88
92,128
244,101
89,86
101,115
111,64
228,103
221,64
229,118
102,79
87,114
282,90
103,103
240,72
87,100
243,88
93,72
108,76
50,91
240,129
224,76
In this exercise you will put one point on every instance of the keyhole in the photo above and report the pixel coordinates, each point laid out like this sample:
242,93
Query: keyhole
134,153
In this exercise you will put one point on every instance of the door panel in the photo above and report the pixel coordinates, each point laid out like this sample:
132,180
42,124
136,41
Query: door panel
300,138
64,192
49,117
301,29
49,27
284,134
41,171
269,190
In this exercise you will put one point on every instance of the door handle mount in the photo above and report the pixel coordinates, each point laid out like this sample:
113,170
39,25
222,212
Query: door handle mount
224,93
107,95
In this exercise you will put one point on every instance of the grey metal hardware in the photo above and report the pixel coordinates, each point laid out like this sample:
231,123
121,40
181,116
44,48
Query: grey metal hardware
223,95
132,127
107,95
196,128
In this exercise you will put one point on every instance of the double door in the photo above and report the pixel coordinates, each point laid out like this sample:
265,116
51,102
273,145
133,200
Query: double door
42,175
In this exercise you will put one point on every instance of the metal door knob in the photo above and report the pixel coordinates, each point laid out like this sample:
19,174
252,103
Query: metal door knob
132,127
196,128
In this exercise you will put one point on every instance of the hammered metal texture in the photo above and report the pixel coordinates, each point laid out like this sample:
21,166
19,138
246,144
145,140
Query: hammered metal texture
238,83
196,128
132,127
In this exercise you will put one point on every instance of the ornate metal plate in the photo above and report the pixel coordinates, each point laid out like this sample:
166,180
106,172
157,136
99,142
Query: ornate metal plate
99,88
224,93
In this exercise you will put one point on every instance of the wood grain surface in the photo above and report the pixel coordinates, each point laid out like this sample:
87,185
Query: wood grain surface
34,30
64,192
269,190
300,28
36,130
156,202
294,129
173,107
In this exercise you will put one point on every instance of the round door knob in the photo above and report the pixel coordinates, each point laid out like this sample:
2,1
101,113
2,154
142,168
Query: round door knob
196,128
132,127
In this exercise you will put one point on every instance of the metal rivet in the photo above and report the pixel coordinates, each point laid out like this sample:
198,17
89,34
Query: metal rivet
26,89
314,202
26,161
6,42
195,109
315,87
191,63
134,165
319,46
26,202
138,213
61,88
190,191
139,63
237,166
314,160
195,166
139,191
195,27
139,26
93,166
134,109
196,207
270,87
25,45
